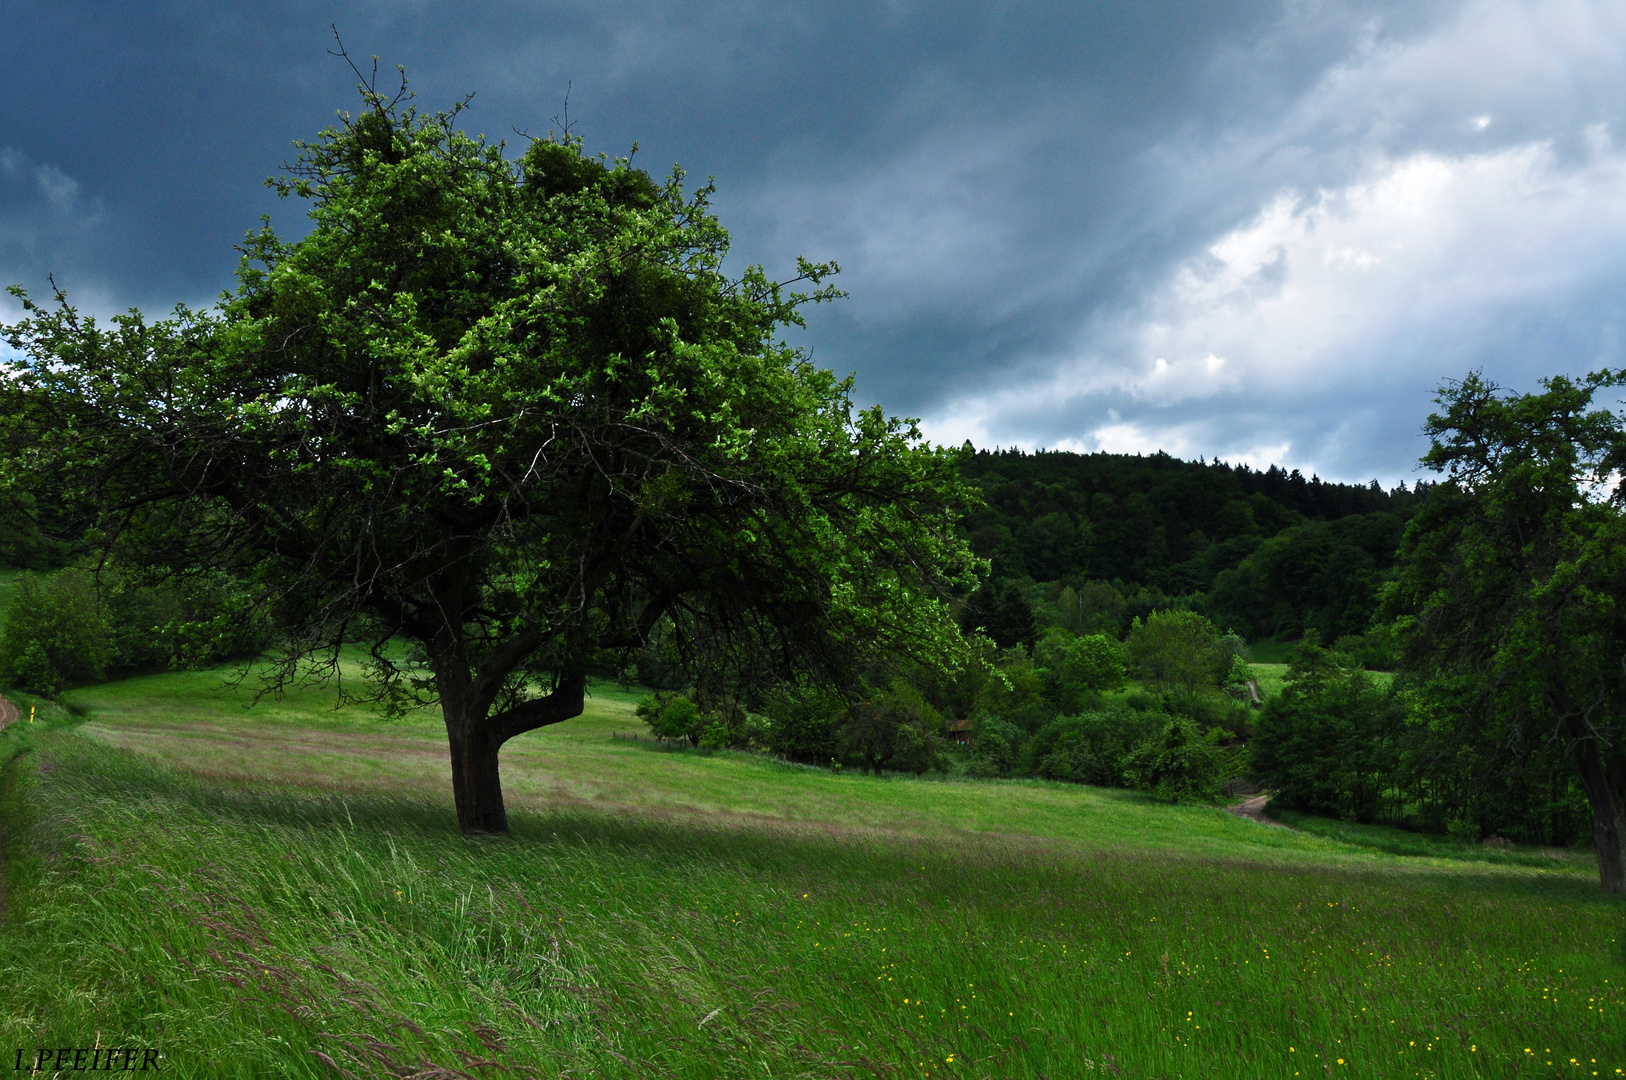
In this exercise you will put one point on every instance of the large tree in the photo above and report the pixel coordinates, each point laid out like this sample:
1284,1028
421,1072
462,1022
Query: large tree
510,410
1511,578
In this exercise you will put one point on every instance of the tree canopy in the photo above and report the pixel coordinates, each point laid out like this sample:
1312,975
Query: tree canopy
1507,599
510,410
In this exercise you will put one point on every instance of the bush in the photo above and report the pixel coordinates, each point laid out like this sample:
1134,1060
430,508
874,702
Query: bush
1329,742
70,628
1092,748
1079,669
1015,691
1210,709
57,634
805,723
896,729
1178,649
994,746
1373,650
673,716
1180,763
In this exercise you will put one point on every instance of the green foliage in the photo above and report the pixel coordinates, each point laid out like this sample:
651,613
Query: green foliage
1092,748
1373,650
1210,708
724,726
1330,741
1519,784
994,747
1178,649
1002,613
56,634
23,543
1079,669
66,629
1173,525
1178,763
1054,714
1014,690
1510,580
895,729
1094,607
805,722
1323,576
190,621
673,716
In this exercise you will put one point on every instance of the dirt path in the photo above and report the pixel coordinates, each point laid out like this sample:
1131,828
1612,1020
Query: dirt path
1253,808
8,713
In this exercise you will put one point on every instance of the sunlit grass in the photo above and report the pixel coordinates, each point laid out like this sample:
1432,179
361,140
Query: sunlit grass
251,889
1269,678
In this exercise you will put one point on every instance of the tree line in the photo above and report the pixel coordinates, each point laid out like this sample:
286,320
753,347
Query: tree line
1096,540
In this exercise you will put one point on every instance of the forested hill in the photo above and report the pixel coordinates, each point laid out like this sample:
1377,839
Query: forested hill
1263,553
1089,541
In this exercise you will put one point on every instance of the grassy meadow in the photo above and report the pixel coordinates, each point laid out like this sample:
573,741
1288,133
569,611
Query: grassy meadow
281,891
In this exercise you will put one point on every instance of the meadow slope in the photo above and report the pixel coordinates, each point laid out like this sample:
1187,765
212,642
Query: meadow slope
281,891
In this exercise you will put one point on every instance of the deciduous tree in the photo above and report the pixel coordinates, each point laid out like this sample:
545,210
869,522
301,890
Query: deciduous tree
510,410
1512,573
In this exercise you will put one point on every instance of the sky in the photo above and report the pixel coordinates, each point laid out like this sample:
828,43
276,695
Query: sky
1259,231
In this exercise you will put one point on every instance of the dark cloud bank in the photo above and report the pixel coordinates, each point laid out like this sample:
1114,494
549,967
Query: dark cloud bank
1258,230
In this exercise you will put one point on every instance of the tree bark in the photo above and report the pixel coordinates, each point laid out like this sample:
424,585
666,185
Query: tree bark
476,784
476,737
1607,812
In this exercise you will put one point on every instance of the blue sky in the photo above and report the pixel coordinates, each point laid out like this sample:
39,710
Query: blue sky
1258,230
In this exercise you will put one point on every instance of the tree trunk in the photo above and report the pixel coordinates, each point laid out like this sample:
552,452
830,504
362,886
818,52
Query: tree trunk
476,785
1607,814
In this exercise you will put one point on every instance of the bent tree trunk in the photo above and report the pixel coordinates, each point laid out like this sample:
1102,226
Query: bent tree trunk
475,734
1608,809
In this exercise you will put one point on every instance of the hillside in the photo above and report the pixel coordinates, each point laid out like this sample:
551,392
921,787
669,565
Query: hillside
262,892
1264,553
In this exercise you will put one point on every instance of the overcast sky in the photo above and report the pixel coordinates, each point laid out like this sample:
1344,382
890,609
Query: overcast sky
1263,231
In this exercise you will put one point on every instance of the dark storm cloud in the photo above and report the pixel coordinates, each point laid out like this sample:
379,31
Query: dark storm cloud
1205,226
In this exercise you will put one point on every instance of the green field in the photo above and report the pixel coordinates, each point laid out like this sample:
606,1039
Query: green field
257,892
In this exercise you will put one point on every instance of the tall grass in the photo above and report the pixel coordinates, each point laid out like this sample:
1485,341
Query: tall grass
337,925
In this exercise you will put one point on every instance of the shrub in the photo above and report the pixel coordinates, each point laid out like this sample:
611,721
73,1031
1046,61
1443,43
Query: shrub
57,633
1092,748
896,729
805,724
1015,691
994,748
1210,709
1179,763
1077,669
1373,650
70,628
1328,742
673,716
143,622
1178,649
716,736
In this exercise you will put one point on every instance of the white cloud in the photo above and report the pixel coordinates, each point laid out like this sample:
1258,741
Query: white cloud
1306,327
1317,288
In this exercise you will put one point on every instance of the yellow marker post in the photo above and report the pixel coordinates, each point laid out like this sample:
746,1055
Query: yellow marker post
31,709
